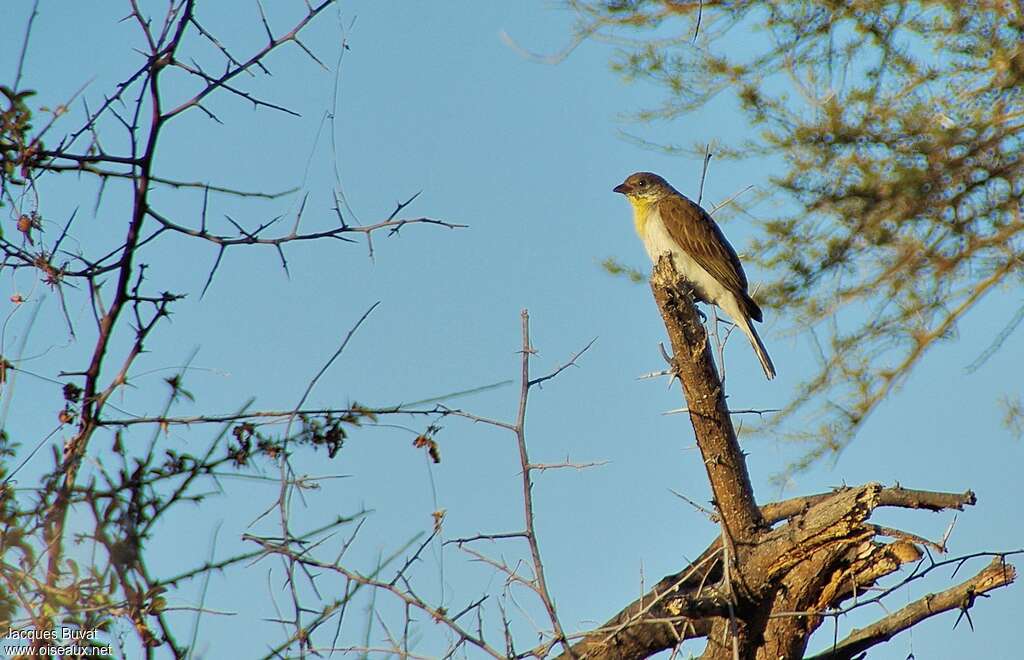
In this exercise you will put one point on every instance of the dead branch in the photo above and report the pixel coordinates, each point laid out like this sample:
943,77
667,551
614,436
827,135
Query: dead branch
997,574
780,582
726,466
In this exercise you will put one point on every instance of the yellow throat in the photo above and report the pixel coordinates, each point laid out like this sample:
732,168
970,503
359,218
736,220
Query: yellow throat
641,207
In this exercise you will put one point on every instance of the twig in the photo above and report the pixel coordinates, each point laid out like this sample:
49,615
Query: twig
704,171
738,411
24,43
527,480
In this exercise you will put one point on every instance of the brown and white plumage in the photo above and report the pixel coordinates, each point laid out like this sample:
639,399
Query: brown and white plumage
669,223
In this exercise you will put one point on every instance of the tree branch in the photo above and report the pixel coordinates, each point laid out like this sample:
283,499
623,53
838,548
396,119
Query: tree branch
997,574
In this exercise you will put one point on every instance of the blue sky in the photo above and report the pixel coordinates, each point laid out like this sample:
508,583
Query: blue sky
432,99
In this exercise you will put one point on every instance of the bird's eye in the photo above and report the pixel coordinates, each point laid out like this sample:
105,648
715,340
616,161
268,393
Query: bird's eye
641,183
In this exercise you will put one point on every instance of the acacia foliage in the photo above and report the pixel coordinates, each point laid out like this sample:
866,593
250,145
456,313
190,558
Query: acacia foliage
898,126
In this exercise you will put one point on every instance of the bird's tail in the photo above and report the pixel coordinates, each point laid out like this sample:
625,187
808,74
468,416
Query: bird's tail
762,354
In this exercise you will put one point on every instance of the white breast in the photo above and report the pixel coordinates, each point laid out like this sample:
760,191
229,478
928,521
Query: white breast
658,242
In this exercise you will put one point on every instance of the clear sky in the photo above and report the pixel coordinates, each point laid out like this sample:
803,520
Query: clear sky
433,99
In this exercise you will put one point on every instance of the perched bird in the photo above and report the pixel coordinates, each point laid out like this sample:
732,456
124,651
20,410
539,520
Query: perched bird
669,223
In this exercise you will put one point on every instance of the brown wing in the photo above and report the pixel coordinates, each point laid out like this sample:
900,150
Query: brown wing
693,229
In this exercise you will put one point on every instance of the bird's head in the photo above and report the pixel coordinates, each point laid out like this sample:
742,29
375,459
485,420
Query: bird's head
643,188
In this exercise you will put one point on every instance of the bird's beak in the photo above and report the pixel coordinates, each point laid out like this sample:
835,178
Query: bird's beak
622,188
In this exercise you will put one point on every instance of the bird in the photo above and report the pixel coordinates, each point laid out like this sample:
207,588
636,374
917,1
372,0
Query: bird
670,223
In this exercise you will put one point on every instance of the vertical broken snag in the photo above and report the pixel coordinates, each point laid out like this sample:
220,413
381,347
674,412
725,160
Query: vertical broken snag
705,398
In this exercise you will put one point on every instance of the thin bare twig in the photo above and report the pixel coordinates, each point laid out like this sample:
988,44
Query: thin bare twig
24,43
527,479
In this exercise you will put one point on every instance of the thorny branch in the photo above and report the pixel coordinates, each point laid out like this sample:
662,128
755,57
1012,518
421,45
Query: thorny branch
962,596
134,485
299,557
